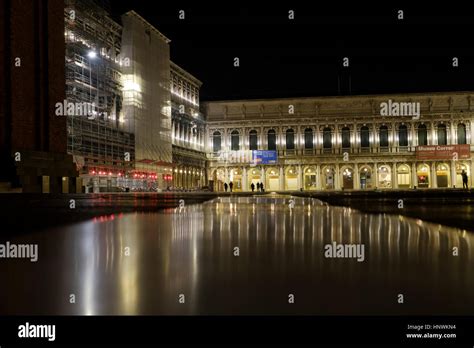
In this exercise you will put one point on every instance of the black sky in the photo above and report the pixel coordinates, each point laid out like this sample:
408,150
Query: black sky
303,57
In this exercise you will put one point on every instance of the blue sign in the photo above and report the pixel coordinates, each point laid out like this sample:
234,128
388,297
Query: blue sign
264,157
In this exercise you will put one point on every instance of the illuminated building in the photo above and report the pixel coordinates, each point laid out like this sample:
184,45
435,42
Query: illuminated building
188,131
334,143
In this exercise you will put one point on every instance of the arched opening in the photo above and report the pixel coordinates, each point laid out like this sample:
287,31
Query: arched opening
290,139
422,135
442,175
272,180
310,179
271,139
383,136
365,177
423,176
384,177
234,140
403,176
308,138
327,138
442,136
347,178
291,179
235,177
346,138
402,135
216,141
364,137
327,178
254,177
461,133
460,168
253,140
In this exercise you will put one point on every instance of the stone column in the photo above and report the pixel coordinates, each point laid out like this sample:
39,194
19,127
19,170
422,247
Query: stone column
434,181
282,178
300,177
244,179
453,173
336,178
356,176
376,174
318,177
414,178
394,176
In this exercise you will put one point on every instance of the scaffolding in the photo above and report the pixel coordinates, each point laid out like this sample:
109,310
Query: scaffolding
100,142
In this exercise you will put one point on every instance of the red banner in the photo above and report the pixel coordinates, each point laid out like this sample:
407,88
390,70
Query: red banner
448,152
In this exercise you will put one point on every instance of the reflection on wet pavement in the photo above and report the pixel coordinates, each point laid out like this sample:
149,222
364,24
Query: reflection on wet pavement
141,263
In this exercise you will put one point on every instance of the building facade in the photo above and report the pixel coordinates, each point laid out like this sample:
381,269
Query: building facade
102,144
334,143
188,131
33,141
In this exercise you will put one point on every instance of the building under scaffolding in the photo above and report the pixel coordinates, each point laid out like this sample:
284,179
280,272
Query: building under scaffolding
147,101
101,142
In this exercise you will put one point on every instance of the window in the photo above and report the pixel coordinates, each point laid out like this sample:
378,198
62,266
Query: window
442,134
383,135
308,138
234,141
216,141
346,138
402,135
327,141
290,139
253,143
364,137
422,135
461,133
271,138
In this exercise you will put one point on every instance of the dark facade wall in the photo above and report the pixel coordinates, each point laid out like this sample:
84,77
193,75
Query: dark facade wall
33,31
37,37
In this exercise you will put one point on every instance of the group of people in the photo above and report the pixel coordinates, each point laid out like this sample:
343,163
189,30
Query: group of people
230,186
259,187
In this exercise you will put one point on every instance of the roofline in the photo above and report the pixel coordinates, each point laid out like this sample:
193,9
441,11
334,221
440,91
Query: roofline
135,14
174,65
337,97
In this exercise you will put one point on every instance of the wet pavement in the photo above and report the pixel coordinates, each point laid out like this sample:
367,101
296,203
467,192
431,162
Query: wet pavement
144,262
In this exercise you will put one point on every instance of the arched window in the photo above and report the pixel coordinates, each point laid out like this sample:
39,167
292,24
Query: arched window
346,138
442,134
383,136
308,138
234,141
253,143
461,133
271,139
422,135
402,135
364,137
290,139
216,141
327,141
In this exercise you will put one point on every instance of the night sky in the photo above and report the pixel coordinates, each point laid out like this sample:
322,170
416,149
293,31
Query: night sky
303,57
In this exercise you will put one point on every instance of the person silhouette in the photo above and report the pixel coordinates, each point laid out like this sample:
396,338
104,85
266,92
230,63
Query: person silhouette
231,185
225,187
252,187
464,179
